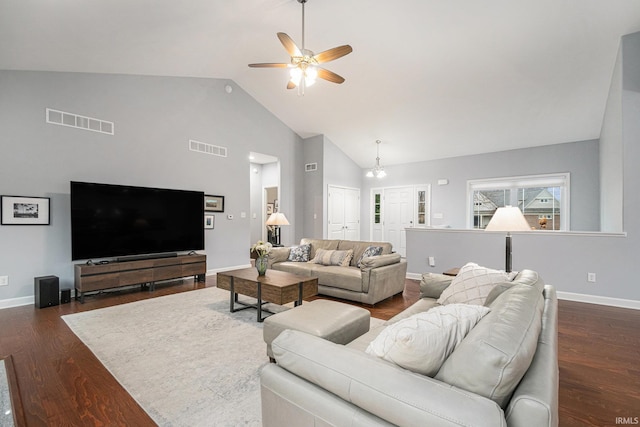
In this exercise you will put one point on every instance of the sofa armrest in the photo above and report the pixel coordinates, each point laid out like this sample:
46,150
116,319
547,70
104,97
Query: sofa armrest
380,388
279,254
433,284
379,261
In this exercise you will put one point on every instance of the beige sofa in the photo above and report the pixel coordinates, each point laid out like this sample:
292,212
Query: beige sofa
377,278
503,373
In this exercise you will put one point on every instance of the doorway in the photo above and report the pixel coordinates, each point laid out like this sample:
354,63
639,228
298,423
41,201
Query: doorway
264,183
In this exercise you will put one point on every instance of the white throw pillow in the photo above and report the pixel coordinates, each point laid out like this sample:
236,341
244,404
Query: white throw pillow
472,285
422,342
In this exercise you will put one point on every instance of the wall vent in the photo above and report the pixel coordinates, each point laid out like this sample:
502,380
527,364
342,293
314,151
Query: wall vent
311,167
56,117
202,147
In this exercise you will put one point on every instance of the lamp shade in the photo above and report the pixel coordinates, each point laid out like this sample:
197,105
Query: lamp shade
277,218
508,218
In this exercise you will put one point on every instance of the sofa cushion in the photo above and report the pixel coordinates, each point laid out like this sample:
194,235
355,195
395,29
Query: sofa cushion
299,268
472,285
369,252
432,284
422,342
299,253
358,247
349,278
332,257
495,355
319,244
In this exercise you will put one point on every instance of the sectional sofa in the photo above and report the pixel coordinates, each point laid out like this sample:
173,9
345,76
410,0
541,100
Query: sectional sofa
365,279
504,372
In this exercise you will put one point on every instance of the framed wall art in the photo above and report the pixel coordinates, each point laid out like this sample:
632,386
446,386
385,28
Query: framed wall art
18,210
209,221
214,203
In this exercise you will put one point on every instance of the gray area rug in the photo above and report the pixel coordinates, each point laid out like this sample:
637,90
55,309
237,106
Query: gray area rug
184,358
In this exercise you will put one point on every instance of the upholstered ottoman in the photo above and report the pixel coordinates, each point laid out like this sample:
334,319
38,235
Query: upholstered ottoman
334,321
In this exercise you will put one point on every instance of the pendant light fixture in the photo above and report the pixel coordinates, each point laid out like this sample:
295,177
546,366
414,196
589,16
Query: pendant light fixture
377,170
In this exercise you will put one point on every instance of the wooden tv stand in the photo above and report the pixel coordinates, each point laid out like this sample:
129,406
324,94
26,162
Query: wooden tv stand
97,277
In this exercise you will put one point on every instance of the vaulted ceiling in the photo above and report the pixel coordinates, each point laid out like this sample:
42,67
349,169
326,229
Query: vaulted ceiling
430,78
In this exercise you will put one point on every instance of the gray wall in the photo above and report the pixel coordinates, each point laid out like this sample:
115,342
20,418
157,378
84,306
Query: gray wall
578,158
563,259
154,119
313,188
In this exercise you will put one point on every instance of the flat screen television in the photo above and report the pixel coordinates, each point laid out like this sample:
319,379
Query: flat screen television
117,220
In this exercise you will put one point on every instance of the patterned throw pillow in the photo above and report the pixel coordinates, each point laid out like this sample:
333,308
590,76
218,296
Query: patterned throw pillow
329,257
422,342
370,251
472,285
299,253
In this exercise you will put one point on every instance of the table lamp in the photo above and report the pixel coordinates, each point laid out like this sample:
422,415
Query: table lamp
508,218
276,220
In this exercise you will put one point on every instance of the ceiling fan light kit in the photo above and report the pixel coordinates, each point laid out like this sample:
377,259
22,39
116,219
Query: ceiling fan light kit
304,66
377,171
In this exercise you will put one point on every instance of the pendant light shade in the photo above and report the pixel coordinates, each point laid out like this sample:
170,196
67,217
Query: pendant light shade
377,171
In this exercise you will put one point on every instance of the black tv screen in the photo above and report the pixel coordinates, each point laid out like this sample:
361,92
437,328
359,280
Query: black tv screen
116,220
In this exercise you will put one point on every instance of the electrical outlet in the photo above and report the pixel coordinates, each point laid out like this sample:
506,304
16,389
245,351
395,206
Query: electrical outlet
432,261
4,280
591,277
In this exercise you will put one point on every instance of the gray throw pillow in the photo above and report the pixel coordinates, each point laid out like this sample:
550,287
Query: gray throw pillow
369,252
299,253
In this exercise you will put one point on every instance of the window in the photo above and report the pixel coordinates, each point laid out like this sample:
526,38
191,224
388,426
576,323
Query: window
543,199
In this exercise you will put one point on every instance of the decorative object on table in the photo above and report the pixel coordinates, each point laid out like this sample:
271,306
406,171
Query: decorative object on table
377,170
273,224
508,218
262,249
209,221
214,203
17,210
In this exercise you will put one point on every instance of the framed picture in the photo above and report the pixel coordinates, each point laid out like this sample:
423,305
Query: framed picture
269,208
18,210
209,221
276,205
214,203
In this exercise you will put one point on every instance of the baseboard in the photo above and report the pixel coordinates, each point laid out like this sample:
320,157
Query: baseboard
223,269
595,299
17,302
414,276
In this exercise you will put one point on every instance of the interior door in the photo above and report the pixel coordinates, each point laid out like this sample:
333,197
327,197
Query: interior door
398,215
344,213
336,206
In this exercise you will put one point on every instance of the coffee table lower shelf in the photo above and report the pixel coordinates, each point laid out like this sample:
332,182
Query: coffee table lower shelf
276,287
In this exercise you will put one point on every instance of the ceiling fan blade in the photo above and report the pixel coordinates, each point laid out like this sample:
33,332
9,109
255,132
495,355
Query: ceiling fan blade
335,53
269,65
289,45
291,85
329,76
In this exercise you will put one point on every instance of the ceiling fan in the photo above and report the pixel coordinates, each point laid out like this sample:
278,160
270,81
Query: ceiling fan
304,67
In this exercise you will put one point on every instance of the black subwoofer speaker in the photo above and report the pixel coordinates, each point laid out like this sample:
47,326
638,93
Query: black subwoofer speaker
65,296
46,291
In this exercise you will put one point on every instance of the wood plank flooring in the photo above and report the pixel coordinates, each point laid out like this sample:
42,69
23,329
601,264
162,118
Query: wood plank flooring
62,384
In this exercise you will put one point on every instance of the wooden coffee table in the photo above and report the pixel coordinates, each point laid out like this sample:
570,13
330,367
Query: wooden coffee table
277,287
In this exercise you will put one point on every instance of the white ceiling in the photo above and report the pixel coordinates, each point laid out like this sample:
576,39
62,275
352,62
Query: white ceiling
430,78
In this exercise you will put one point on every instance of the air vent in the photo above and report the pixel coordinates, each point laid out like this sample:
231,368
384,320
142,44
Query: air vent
202,147
311,167
56,117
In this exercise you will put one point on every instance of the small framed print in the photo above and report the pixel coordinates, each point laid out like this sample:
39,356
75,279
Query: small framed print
209,221
269,208
214,203
17,210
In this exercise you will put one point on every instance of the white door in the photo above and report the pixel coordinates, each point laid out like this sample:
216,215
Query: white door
398,215
344,213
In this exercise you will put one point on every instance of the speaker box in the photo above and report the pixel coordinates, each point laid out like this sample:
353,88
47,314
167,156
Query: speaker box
65,296
46,291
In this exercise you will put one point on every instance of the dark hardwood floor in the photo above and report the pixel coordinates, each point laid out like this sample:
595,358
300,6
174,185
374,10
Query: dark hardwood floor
61,383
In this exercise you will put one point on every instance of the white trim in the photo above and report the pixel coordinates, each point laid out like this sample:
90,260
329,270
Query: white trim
536,232
17,302
595,299
414,276
214,271
560,179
